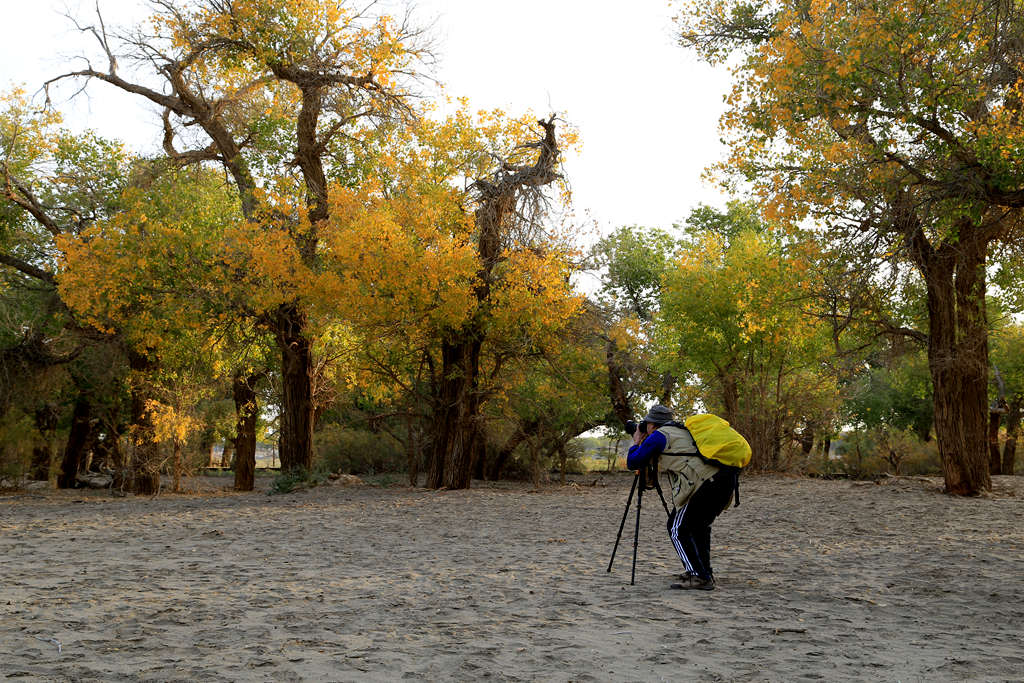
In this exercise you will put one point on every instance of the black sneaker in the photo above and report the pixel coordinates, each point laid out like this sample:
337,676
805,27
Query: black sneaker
692,582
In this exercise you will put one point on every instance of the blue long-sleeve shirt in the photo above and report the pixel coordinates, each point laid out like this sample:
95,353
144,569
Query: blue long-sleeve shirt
640,455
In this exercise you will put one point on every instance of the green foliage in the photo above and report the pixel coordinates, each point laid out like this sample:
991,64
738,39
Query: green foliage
897,394
633,260
351,451
296,480
738,218
1007,354
732,323
17,437
1009,273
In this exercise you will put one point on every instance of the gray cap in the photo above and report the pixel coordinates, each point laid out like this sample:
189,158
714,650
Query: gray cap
658,414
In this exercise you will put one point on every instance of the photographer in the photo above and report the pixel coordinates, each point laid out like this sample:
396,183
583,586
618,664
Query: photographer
700,491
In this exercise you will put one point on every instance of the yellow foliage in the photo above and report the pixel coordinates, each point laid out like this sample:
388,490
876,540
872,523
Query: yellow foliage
169,424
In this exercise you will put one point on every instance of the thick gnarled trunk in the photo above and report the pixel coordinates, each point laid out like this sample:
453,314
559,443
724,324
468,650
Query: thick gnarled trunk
958,357
145,453
457,436
297,388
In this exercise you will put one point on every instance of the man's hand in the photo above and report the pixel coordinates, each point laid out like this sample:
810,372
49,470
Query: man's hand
639,435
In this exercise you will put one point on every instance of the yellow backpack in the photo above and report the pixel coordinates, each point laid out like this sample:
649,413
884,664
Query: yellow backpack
717,441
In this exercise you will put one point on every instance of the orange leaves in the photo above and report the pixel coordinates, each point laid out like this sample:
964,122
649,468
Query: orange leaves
393,262
534,297
836,92
171,424
318,36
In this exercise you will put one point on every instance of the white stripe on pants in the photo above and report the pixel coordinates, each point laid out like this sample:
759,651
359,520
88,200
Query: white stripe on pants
674,535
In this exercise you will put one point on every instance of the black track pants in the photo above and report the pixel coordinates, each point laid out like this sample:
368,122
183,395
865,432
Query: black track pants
690,527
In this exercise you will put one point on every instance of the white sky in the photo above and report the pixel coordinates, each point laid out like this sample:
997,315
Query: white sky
646,109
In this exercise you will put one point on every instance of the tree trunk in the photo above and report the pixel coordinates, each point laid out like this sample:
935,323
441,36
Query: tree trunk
78,440
246,412
508,448
39,465
176,488
616,389
456,429
668,385
730,400
42,455
958,357
458,438
534,462
296,442
995,464
1013,416
412,452
227,454
145,454
923,429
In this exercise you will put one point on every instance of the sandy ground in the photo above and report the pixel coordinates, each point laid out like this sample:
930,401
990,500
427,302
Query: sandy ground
819,580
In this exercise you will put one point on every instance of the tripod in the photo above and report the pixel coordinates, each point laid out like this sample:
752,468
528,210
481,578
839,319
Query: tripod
647,478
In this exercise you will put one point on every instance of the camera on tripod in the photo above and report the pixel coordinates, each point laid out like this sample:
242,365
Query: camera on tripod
649,475
632,426
645,479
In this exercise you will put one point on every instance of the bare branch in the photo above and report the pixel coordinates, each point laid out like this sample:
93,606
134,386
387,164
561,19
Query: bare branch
209,153
20,194
28,268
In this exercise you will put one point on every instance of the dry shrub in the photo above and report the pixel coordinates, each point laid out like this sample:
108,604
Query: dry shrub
870,453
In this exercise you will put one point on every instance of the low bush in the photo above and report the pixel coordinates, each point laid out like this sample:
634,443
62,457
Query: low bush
17,437
874,452
352,451
296,480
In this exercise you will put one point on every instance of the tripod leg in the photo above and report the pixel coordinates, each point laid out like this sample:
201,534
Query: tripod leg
623,523
636,533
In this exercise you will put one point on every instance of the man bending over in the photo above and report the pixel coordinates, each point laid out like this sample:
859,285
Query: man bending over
700,491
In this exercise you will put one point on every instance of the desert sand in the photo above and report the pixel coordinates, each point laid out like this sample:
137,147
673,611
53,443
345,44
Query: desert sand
827,580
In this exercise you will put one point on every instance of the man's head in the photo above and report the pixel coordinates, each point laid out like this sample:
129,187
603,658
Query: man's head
657,416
